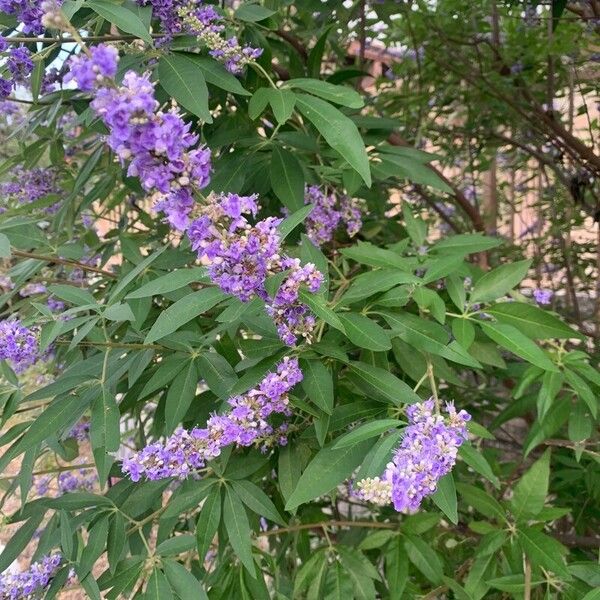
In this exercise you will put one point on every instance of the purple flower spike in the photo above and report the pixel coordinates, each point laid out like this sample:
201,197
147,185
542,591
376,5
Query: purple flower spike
428,452
245,424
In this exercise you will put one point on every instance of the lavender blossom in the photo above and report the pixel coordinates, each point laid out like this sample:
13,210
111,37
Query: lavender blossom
328,213
428,452
241,258
158,145
29,185
18,344
543,296
92,71
71,481
245,424
203,21
31,583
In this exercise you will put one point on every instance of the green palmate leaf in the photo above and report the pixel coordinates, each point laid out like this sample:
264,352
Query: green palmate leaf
370,283
253,12
180,396
544,551
282,102
482,501
533,321
365,432
218,373
94,547
131,275
115,540
208,521
318,384
424,558
176,545
183,79
61,412
531,491
339,94
415,227
514,583
238,529
183,311
466,244
499,281
386,385
74,295
158,587
257,501
360,571
379,456
445,497
339,132
326,470
183,583
318,305
464,332
287,178
512,339
105,429
478,463
429,337
216,74
291,222
124,19
4,246
369,254
170,282
365,333
396,568
19,540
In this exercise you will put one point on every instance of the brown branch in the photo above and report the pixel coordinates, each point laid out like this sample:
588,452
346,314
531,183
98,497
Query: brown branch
293,41
433,204
470,210
64,261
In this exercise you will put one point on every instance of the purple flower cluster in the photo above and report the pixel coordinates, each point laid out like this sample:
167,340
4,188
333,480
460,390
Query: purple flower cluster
18,344
543,296
292,317
428,452
242,256
19,66
71,481
30,583
95,70
328,213
28,12
203,21
245,424
158,145
29,185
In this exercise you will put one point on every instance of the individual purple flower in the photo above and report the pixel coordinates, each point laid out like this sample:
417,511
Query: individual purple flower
31,289
32,582
93,71
245,424
428,452
80,431
543,296
18,344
